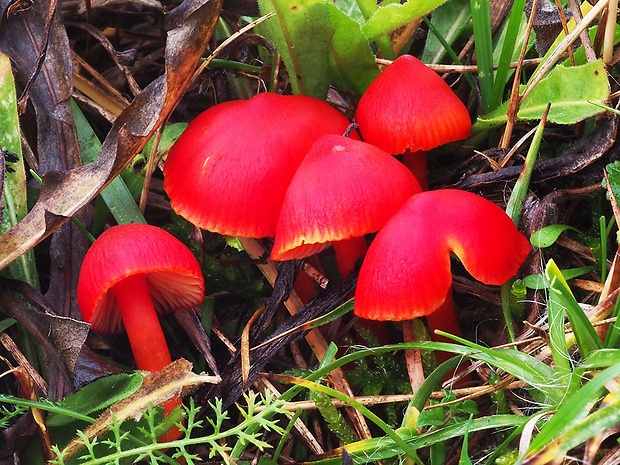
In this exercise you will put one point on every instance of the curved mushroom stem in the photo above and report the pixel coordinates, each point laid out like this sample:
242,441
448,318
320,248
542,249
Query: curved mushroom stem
348,251
416,162
148,344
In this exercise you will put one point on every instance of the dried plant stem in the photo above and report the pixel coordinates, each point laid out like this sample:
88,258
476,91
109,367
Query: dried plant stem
610,30
315,339
558,4
515,98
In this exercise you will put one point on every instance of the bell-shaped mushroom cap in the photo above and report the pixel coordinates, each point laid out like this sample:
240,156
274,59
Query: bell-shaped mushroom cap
406,272
229,170
409,106
172,272
343,188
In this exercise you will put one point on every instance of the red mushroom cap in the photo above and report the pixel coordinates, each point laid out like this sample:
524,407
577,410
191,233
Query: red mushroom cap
406,272
172,273
229,171
343,188
409,106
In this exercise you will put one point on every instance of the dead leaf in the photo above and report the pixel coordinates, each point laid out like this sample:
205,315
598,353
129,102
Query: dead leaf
65,192
62,338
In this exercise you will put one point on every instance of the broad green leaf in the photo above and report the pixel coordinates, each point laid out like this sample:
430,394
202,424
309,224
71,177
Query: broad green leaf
572,91
547,235
96,396
301,31
392,16
585,335
351,61
450,20
14,198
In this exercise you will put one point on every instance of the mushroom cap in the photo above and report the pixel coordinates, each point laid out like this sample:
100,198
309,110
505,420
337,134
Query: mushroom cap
409,106
172,273
406,272
343,188
229,170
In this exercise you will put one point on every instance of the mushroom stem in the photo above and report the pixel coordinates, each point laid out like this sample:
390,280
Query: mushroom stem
147,340
416,162
444,319
347,252
146,337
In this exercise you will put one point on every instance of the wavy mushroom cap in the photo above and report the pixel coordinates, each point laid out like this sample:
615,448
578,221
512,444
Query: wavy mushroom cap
229,170
409,106
172,273
343,188
406,272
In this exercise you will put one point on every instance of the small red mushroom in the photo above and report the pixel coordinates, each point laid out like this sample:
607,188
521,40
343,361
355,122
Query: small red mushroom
343,190
229,170
406,272
408,109
131,273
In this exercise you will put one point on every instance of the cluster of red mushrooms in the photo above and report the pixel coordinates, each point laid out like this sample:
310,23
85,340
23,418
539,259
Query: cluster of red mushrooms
279,166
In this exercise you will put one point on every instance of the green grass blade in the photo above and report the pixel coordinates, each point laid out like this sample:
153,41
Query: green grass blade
116,195
514,210
481,18
14,198
508,51
537,374
381,448
573,410
585,335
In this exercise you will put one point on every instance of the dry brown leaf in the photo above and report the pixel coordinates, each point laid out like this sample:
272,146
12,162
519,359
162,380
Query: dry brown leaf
177,379
64,193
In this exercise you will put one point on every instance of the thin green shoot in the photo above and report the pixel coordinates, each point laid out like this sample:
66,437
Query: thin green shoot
603,238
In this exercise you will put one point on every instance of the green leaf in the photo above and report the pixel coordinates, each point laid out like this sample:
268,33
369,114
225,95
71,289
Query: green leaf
14,198
301,31
547,235
97,396
392,16
351,61
572,91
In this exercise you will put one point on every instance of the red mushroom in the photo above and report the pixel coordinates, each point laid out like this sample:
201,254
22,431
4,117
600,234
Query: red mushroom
343,190
406,272
408,109
131,273
229,170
